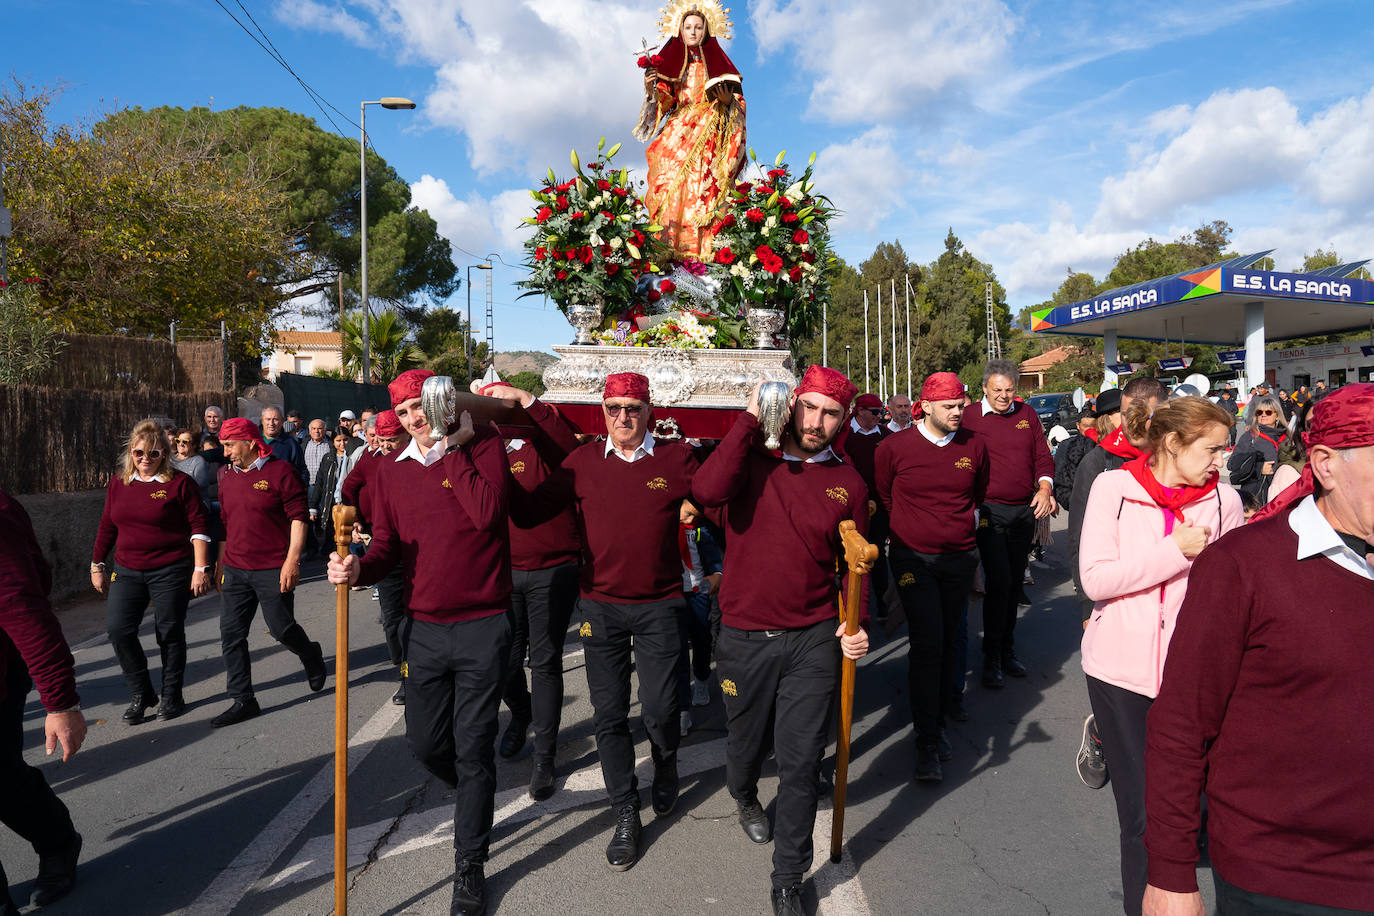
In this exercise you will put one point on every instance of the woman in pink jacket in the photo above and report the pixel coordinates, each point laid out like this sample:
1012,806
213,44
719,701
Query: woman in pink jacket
1143,526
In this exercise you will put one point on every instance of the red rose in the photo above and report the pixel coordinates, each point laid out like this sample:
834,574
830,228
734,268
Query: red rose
562,275
561,203
789,218
637,238
570,254
656,61
800,237
754,215
587,254
543,214
540,253
643,62
612,269
654,295
602,184
763,252
795,274
667,286
726,223
809,257
725,256
784,203
743,187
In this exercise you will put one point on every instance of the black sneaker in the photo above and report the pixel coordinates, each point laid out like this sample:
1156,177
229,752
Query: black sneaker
928,767
315,670
992,676
943,749
541,779
138,707
787,901
664,790
1092,763
469,890
56,874
1011,665
399,697
754,821
623,850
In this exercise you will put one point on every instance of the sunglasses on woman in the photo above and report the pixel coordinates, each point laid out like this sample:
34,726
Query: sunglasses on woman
183,442
151,453
1265,413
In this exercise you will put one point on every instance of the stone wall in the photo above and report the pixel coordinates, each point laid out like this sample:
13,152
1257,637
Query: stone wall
65,525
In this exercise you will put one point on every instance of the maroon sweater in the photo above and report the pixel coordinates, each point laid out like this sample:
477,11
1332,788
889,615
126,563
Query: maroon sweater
931,491
355,491
782,521
29,632
446,525
1269,652
540,544
629,514
258,508
150,524
860,450
1017,451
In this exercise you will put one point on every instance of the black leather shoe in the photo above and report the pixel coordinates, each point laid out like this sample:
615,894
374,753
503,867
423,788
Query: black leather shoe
1012,666
928,767
957,713
541,780
172,705
754,821
943,749
623,850
664,790
992,676
513,740
56,874
241,711
315,670
399,697
137,707
787,901
469,890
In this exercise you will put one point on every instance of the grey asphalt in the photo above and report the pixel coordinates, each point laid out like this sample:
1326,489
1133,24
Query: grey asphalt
167,808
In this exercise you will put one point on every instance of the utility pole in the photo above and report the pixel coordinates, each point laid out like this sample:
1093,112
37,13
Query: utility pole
994,342
825,334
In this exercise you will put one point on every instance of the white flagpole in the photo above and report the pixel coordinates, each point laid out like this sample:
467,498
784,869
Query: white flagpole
892,304
882,373
909,391
865,340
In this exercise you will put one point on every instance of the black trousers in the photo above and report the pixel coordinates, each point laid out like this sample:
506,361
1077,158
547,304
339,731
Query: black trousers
28,805
778,692
241,593
395,620
1235,901
541,604
1120,716
696,642
609,632
1004,543
879,526
934,589
168,590
455,672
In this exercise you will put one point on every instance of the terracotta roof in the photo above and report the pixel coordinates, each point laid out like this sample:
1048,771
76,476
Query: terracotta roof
1047,359
308,340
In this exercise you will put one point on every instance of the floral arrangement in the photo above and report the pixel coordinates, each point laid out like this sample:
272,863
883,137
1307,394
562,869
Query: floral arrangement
593,238
772,247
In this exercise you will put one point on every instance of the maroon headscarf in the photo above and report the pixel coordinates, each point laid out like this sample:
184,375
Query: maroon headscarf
407,385
242,429
942,386
830,382
626,385
1342,419
387,425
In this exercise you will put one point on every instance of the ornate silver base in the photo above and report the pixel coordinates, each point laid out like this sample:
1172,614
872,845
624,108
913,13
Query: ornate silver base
679,378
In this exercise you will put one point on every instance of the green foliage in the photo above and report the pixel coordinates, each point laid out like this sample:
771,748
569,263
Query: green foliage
533,382
390,351
28,344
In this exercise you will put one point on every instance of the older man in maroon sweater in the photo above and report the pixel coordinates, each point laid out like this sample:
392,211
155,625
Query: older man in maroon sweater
1273,648
31,646
265,511
931,478
1020,492
778,656
439,510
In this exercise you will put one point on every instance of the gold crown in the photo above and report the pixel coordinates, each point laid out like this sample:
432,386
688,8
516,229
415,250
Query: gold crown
717,17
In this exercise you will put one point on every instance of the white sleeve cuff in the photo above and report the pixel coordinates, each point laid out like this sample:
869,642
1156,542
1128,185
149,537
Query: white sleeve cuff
202,537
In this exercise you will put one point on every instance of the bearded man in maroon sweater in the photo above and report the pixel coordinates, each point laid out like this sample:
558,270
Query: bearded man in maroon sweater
628,492
1273,646
931,479
1020,492
779,650
439,510
265,511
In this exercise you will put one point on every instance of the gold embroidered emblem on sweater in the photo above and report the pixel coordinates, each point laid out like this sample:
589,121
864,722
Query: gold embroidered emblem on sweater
906,579
658,483
839,494
585,630
727,687
158,494
260,485
964,464
447,485
518,467
1024,424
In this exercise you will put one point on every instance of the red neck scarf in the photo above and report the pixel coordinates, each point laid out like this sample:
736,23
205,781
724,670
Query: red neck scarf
1091,433
1183,496
1117,443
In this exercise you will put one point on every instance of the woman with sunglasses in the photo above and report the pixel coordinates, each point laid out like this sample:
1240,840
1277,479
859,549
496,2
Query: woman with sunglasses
156,521
1256,457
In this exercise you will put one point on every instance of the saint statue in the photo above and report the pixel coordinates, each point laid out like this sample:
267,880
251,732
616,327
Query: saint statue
695,105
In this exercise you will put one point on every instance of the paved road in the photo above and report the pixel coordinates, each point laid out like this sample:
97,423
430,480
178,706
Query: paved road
178,817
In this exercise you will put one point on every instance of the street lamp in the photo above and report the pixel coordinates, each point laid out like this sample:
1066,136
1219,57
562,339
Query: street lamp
467,338
846,359
386,102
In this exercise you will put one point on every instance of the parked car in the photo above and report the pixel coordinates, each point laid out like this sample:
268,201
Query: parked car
1053,409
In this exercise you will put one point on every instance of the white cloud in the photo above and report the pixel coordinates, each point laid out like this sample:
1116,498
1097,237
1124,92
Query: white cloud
471,222
308,14
1032,260
878,60
863,178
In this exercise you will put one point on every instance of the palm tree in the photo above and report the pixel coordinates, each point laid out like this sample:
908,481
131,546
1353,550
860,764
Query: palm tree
391,351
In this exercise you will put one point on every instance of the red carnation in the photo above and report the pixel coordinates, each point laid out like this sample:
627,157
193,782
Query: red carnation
595,166
612,269
637,238
540,253
726,223
586,254
784,203
656,61
765,189
578,215
743,187
602,184
608,214
790,218
725,256
776,173
754,215
562,275
763,252
800,237
562,188
570,254
795,274
543,214
667,286
809,257
643,62
561,203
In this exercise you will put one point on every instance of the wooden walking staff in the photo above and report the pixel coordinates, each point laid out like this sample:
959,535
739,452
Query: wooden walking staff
860,556
344,517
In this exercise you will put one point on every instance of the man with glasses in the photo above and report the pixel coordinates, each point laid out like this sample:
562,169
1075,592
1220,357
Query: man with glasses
629,492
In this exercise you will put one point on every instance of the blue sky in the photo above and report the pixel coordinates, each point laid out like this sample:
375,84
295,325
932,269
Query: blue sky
1048,135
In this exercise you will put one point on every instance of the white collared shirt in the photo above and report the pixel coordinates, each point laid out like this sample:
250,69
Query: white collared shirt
1317,537
824,454
855,428
426,458
645,450
988,408
256,465
892,425
930,436
514,445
